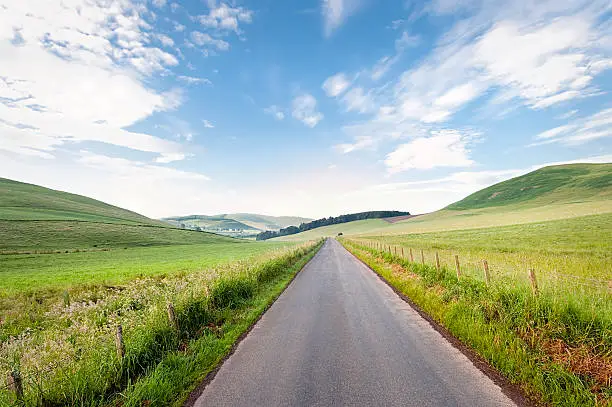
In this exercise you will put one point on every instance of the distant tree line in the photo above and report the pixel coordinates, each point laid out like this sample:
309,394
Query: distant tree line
332,220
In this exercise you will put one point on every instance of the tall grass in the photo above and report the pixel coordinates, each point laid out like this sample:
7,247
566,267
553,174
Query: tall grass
70,357
554,346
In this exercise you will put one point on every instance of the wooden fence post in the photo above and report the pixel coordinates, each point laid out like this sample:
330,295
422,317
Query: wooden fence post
16,385
172,316
458,267
411,257
437,262
534,282
119,342
422,257
403,252
485,265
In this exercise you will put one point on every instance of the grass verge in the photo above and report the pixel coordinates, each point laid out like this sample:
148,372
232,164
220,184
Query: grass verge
73,361
557,353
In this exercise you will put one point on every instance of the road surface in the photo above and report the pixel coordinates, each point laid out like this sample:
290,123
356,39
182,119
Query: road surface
339,336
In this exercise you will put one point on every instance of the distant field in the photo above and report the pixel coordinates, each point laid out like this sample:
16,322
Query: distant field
578,246
53,271
71,235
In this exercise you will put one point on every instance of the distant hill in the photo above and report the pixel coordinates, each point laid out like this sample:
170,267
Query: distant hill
554,184
550,193
42,219
266,222
236,224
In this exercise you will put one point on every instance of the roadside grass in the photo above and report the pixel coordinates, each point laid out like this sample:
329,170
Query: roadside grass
70,358
558,348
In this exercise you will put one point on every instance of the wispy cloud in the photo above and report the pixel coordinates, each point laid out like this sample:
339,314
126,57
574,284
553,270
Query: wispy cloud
192,80
336,84
275,112
580,131
536,54
207,124
305,110
335,13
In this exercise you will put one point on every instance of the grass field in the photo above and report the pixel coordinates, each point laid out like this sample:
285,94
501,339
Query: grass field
34,272
64,347
578,246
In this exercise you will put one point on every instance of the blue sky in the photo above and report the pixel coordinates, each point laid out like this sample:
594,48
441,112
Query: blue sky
311,108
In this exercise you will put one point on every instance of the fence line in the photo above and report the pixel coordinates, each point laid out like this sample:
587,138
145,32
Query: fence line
488,270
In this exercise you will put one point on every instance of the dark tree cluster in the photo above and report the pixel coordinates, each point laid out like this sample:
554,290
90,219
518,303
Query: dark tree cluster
332,220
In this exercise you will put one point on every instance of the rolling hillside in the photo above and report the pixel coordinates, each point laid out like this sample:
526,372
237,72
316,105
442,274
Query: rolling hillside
550,193
556,184
43,219
21,201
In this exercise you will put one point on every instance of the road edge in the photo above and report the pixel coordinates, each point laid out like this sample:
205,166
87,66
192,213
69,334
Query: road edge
512,391
210,376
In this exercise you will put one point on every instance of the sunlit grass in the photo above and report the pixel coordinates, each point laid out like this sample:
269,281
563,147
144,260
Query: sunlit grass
64,346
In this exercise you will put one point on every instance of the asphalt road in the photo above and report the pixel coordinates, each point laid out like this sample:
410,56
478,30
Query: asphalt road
339,336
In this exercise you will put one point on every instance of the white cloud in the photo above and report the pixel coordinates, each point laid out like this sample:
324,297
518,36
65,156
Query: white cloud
357,100
538,54
335,13
158,3
360,143
305,110
336,84
165,40
406,40
97,55
207,124
225,18
444,148
542,64
192,80
204,39
275,111
580,131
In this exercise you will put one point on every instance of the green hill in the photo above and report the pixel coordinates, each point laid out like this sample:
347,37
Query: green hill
266,222
34,218
559,183
550,193
21,201
216,223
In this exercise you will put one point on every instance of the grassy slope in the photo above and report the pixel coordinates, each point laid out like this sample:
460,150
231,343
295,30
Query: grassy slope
558,192
32,202
33,218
